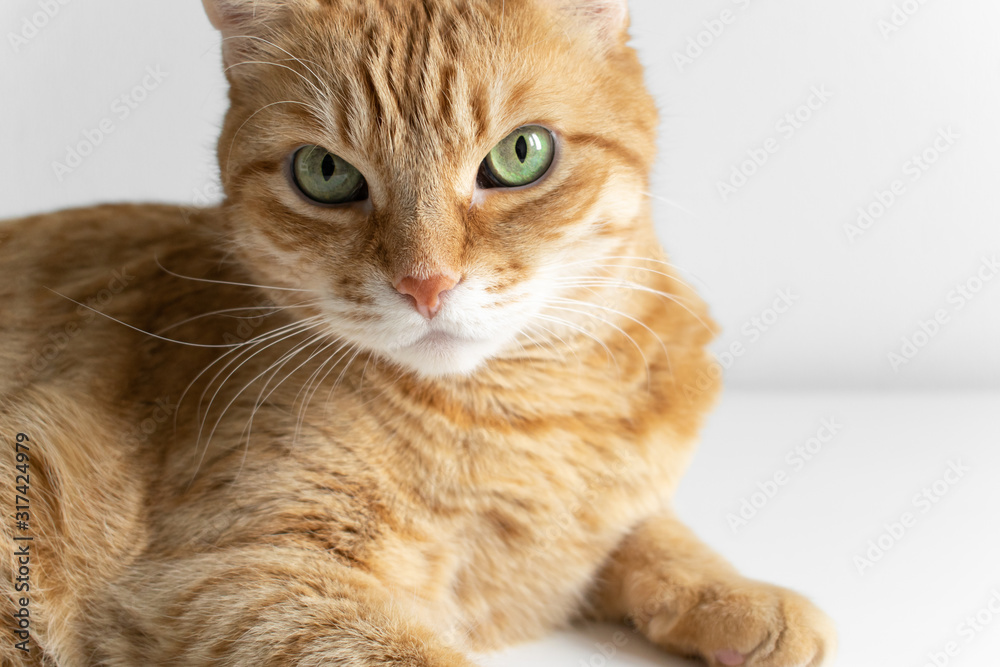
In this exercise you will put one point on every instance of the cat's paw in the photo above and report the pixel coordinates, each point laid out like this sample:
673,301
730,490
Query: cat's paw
749,625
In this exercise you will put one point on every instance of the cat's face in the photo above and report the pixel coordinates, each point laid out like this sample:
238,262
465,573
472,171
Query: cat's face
433,171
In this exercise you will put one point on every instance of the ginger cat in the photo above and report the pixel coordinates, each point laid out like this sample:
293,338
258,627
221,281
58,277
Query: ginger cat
423,385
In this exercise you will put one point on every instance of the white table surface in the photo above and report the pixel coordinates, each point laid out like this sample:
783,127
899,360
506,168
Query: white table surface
903,610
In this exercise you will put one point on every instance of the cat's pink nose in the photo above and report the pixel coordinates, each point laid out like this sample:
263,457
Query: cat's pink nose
426,292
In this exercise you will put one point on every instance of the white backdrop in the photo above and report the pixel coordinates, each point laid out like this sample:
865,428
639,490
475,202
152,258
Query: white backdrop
829,171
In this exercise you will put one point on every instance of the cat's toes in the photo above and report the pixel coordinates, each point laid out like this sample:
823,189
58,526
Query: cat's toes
751,625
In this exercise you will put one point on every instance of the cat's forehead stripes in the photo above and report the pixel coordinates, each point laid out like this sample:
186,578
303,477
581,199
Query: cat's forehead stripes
409,86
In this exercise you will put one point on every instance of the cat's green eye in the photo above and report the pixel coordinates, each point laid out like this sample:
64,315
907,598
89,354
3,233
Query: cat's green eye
327,178
521,159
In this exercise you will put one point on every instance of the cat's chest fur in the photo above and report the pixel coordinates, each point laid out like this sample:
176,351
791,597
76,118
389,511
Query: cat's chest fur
502,507
489,508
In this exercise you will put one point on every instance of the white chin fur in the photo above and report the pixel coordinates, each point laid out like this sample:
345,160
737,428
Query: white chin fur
439,358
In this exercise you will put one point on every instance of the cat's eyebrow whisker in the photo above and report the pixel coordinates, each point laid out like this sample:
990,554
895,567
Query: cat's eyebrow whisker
318,113
226,282
290,55
282,66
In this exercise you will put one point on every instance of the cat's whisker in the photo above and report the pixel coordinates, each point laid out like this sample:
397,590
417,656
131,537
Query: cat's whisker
261,399
282,66
619,313
315,382
302,328
224,313
671,203
357,350
607,322
278,365
319,79
611,267
611,284
544,343
628,258
642,288
319,369
246,346
666,352
286,331
570,325
300,423
227,282
142,331
296,350
232,145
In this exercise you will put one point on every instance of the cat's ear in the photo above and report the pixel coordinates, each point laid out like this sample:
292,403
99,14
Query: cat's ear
242,22
231,15
607,19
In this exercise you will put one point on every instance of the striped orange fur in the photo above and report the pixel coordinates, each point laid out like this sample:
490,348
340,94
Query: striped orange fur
249,449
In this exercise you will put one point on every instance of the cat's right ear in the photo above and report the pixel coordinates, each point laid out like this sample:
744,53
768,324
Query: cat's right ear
242,23
232,16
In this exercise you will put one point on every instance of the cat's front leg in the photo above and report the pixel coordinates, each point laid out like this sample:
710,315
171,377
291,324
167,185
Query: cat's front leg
260,606
690,601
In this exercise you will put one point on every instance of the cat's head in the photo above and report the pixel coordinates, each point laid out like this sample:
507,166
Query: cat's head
435,173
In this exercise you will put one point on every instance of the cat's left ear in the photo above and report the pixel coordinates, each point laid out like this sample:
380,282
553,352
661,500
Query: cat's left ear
608,18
